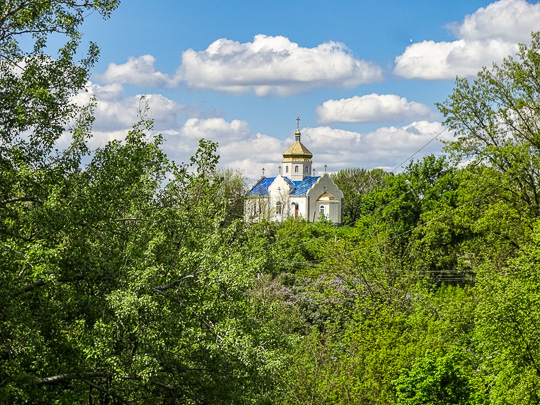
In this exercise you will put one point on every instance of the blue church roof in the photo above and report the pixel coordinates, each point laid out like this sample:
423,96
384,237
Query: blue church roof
261,188
298,187
303,186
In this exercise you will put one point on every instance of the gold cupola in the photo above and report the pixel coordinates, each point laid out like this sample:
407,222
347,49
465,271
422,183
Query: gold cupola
297,158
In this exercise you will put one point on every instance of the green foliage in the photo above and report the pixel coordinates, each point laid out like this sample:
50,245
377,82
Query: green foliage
507,327
355,366
233,189
355,184
125,290
135,280
496,121
434,380
35,101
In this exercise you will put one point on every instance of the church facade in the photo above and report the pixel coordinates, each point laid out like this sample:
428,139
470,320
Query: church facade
296,191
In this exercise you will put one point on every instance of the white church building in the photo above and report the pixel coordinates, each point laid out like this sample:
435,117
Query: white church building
296,191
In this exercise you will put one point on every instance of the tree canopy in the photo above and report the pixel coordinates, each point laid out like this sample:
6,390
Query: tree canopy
135,279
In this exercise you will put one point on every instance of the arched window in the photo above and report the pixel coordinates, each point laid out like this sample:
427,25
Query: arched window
322,210
286,169
296,169
278,208
306,169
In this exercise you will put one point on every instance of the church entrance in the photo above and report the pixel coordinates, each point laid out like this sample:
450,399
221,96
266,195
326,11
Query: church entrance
295,207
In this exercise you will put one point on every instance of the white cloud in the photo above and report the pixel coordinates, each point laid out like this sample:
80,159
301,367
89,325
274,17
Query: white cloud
239,148
487,36
139,71
114,112
273,65
243,149
385,147
216,129
267,66
373,108
508,20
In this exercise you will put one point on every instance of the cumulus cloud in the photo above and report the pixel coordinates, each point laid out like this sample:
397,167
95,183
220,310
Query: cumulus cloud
385,147
215,128
139,71
267,66
250,152
508,20
484,37
373,108
114,112
241,148
273,65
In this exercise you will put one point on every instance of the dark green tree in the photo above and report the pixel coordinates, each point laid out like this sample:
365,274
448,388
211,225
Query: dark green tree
355,184
435,381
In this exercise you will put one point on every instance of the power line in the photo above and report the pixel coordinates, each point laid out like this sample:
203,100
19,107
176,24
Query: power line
317,261
415,153
379,208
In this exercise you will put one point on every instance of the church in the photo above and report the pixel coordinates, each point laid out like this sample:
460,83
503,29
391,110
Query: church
296,191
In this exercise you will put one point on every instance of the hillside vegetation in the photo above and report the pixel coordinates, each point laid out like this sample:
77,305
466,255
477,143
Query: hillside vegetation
133,279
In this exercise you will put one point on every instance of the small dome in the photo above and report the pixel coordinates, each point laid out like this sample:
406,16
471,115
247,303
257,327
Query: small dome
326,197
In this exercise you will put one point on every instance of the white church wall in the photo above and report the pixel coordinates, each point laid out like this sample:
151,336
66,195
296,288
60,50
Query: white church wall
325,184
334,214
279,200
301,201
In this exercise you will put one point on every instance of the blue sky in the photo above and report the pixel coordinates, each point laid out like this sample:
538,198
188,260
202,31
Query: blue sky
363,76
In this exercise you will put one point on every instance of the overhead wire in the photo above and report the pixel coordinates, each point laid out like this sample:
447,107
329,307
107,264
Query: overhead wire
333,233
317,261
350,224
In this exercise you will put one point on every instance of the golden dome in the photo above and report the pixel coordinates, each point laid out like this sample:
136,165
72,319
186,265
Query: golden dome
297,151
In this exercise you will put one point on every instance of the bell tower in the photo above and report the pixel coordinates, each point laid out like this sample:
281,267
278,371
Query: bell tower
297,158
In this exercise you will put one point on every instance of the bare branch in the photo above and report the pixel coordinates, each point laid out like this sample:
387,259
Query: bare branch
162,288
60,378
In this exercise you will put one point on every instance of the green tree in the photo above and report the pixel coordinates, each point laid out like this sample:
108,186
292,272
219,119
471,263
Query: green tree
117,289
233,189
36,89
117,285
496,121
507,327
396,227
355,184
434,380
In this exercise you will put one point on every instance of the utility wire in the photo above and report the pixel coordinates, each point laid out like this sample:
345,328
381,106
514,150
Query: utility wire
404,232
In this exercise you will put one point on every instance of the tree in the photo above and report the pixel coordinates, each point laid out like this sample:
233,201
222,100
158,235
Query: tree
396,228
36,89
496,119
233,189
355,184
116,288
507,326
117,285
433,380
496,122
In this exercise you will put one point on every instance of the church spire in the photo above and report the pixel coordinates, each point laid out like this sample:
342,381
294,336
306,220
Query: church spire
297,133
